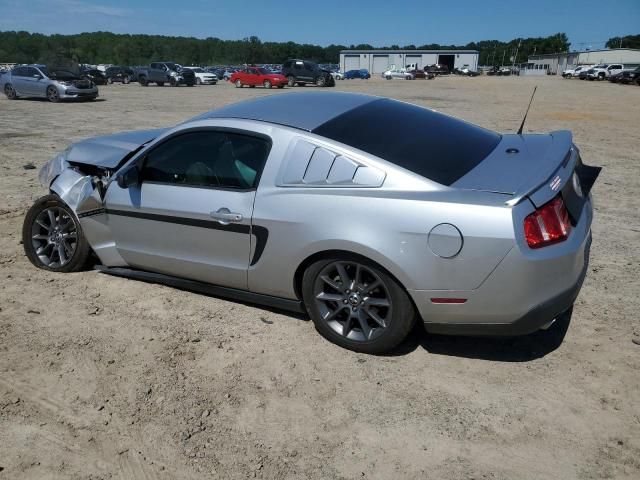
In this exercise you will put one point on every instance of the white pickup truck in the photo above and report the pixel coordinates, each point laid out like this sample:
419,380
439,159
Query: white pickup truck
600,72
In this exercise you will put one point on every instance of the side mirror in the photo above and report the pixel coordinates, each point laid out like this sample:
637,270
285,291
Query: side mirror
37,76
128,178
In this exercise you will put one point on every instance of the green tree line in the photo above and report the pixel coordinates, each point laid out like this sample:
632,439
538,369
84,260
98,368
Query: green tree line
122,49
628,41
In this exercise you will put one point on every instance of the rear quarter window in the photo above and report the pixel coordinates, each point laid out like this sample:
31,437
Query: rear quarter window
428,143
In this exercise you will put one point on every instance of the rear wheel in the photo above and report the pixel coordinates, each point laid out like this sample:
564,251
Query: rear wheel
52,94
52,237
109,80
357,305
142,80
291,81
173,82
126,80
267,84
198,81
238,84
320,81
10,92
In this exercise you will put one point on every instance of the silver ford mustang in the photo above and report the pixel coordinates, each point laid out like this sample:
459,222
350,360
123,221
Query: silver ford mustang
315,202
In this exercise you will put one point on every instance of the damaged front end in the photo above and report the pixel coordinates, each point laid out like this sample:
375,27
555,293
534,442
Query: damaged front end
81,187
81,175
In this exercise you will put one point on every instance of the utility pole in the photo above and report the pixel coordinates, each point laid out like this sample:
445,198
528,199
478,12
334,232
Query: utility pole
515,58
504,52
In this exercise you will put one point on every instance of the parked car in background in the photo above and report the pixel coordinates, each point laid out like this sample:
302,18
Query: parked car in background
437,69
600,72
302,72
398,73
116,74
626,76
575,72
203,77
337,75
491,236
253,76
96,76
362,73
583,74
422,75
466,72
55,83
166,72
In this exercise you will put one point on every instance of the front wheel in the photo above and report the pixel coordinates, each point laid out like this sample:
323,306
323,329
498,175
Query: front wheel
142,80
126,80
238,84
52,237
354,303
320,81
52,94
109,80
291,81
198,81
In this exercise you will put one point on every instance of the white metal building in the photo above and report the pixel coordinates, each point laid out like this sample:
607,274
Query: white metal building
378,61
557,62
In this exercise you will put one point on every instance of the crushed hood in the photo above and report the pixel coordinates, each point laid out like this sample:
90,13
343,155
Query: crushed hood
107,151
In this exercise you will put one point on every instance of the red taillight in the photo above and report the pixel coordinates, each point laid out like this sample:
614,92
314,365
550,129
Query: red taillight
547,225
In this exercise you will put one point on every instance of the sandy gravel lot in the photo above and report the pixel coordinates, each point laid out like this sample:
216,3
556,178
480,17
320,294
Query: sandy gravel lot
103,378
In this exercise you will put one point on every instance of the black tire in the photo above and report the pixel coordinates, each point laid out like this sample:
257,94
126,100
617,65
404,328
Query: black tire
321,81
81,251
267,84
198,81
173,82
10,92
400,317
52,94
126,80
291,81
238,83
109,80
142,80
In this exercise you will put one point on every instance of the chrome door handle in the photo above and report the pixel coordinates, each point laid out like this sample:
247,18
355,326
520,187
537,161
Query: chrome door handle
225,216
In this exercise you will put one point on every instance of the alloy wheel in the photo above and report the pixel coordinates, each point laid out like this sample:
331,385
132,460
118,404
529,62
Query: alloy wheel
54,237
52,94
353,300
10,92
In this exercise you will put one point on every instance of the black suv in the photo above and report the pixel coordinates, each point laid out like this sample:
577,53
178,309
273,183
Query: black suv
301,72
119,74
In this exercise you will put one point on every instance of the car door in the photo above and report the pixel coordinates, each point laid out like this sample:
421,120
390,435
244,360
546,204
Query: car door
251,77
19,80
190,215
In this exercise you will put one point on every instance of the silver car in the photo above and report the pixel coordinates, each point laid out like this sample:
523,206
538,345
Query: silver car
314,202
55,83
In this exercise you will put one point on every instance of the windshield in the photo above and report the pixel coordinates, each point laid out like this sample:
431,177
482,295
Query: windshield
263,71
173,66
428,143
197,70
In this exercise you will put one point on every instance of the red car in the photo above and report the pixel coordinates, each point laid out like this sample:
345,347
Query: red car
253,76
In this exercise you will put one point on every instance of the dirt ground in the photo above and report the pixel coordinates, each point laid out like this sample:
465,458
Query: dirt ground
103,378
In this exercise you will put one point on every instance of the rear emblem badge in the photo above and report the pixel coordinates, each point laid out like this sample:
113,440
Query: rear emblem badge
555,183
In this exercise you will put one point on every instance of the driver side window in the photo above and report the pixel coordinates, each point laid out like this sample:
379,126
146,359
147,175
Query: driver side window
208,158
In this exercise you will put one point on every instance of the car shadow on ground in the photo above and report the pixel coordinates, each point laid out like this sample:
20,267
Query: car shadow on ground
497,349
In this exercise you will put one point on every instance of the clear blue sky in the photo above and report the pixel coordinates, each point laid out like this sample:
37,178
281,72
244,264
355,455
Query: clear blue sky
377,22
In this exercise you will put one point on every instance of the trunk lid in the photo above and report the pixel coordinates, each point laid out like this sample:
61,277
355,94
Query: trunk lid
525,165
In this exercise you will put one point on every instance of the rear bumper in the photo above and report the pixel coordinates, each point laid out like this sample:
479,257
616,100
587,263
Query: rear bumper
533,320
526,290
